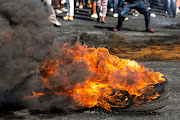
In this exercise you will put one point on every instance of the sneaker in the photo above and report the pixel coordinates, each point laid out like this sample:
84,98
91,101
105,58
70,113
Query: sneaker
150,30
100,14
115,15
64,10
116,29
80,7
57,24
111,9
94,16
58,11
126,19
153,15
135,14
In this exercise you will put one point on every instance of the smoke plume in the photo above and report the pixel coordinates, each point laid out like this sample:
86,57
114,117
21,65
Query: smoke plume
26,39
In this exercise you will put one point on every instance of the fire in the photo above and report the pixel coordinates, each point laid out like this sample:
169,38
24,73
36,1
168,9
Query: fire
93,77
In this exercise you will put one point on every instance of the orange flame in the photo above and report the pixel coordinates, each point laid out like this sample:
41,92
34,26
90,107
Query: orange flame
113,82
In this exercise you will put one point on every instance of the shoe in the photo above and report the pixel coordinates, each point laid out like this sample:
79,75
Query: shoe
100,14
66,17
104,22
168,16
150,30
111,9
58,11
57,24
94,16
153,15
126,19
116,29
174,16
135,14
80,7
63,9
71,18
115,15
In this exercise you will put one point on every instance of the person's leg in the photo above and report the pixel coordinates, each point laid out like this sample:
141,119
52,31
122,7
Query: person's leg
111,5
174,7
104,10
71,12
98,6
68,12
94,7
115,6
123,14
142,8
168,7
80,4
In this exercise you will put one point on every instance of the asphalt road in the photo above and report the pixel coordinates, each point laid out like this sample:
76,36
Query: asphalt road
166,29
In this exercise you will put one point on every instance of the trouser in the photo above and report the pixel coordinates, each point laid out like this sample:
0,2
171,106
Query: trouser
114,5
52,16
104,6
140,7
70,7
173,4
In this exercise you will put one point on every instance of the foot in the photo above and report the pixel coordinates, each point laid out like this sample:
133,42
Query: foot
174,16
104,22
71,18
63,9
57,24
115,15
58,11
94,16
117,29
150,30
80,7
66,17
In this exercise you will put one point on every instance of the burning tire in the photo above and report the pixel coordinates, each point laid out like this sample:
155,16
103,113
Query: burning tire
158,103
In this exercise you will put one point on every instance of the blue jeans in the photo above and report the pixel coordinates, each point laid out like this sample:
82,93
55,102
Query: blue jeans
173,3
114,5
140,7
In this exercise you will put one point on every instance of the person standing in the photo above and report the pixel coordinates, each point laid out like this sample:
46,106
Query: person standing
141,7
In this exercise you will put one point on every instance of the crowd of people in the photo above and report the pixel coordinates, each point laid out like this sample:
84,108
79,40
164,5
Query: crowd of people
120,9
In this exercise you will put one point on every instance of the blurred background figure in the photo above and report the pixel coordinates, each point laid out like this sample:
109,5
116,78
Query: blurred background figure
113,7
70,12
59,6
52,15
104,4
171,8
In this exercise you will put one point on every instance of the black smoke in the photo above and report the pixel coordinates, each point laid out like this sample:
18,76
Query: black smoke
26,40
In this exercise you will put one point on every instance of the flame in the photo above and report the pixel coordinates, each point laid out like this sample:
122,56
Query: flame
113,82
